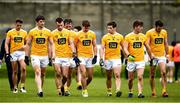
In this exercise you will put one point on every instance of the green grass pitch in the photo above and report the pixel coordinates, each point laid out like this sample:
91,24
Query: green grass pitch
96,90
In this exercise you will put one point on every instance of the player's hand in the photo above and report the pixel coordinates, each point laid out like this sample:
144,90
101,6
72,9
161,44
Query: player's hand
94,60
167,58
154,62
50,62
8,57
131,58
26,60
101,62
77,61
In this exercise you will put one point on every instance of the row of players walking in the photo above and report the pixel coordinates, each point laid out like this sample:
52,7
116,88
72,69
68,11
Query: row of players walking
68,50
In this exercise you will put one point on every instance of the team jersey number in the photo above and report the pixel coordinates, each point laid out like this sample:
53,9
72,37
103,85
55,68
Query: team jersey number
40,40
112,45
158,40
86,42
17,39
61,41
137,44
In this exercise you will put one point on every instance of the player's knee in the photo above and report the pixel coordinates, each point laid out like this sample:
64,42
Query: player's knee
15,72
117,75
37,73
23,70
42,74
83,75
152,76
131,79
140,77
90,77
58,75
163,74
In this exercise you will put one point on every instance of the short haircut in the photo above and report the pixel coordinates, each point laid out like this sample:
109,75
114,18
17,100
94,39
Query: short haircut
59,20
67,21
8,29
40,17
159,23
78,28
173,43
137,23
85,23
113,24
19,21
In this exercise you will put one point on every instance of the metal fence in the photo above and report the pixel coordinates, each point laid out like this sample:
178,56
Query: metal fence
97,12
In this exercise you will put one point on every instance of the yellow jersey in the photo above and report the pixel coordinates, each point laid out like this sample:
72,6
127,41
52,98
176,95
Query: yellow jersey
157,41
40,39
61,41
72,36
17,39
136,45
112,43
170,53
83,42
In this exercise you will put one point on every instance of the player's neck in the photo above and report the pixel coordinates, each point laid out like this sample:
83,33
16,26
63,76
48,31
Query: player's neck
85,31
136,32
17,29
40,28
112,33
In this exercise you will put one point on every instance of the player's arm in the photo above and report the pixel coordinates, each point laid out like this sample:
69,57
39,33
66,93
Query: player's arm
75,41
102,51
122,48
7,41
125,47
149,50
51,47
28,45
71,42
166,46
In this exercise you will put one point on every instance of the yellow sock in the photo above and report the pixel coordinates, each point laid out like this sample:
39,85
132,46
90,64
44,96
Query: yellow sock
131,91
163,90
108,89
85,90
22,85
66,88
153,90
59,90
79,84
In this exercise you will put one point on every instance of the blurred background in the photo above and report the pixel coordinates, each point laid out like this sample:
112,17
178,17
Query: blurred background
98,12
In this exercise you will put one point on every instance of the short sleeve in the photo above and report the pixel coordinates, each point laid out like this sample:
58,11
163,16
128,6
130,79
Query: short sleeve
94,36
148,34
165,34
145,40
8,35
126,39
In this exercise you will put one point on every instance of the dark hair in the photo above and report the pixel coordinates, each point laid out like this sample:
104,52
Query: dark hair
8,29
137,23
159,23
173,43
59,20
19,21
67,21
113,24
40,17
85,23
78,28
